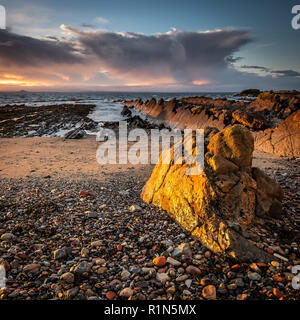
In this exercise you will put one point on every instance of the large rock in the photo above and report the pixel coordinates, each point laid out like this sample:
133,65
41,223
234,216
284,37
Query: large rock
219,205
250,120
283,140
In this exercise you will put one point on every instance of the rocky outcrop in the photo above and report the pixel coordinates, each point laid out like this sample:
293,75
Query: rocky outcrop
250,120
283,140
192,113
248,93
200,112
222,204
276,105
273,117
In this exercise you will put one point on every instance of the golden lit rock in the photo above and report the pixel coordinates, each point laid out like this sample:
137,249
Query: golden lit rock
226,199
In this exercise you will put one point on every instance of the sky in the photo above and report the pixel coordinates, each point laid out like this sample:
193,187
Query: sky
130,45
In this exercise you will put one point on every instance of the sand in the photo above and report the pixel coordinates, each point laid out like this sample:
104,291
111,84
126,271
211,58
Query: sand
76,159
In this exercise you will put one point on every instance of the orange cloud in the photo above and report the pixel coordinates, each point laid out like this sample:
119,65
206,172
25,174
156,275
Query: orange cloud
200,82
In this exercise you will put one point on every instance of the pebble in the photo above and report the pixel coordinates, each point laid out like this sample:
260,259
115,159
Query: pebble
209,292
126,293
125,275
110,295
32,268
193,270
160,261
173,262
99,250
81,268
182,249
67,277
254,276
162,277
7,236
182,278
59,254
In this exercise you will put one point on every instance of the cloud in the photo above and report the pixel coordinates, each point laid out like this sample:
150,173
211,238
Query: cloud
255,67
101,20
23,51
231,59
183,56
88,25
286,73
274,73
102,60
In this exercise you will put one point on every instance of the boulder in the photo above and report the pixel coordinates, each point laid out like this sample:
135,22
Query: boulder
283,140
224,201
250,120
126,112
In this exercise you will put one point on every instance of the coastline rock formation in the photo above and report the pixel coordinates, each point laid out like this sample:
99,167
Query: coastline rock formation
220,205
269,117
283,140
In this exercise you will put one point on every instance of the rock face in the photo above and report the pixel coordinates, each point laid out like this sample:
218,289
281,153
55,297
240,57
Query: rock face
220,205
282,140
273,117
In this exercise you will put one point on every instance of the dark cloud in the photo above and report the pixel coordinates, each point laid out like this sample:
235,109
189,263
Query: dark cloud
255,67
185,56
275,73
286,73
231,59
22,51
88,25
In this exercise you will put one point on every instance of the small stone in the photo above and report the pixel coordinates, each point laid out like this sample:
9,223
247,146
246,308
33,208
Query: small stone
254,276
110,295
59,254
125,275
81,268
97,243
91,214
126,293
100,261
32,268
281,257
188,282
205,281
255,267
232,286
182,278
162,277
84,252
7,236
171,290
209,292
242,296
173,262
182,249
134,208
193,270
239,282
71,293
275,264
207,254
159,261
277,293
101,270
67,277
186,293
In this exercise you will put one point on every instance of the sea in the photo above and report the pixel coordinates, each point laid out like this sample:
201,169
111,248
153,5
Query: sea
108,105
